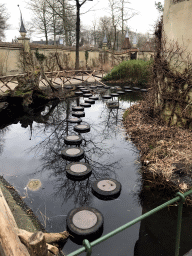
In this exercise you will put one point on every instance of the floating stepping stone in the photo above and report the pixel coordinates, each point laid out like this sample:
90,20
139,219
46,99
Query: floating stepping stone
106,189
136,88
106,96
82,88
73,139
128,90
94,97
72,154
120,92
106,87
69,87
78,113
93,87
84,222
77,108
114,94
82,128
74,120
127,87
85,105
85,91
78,171
144,90
78,93
34,184
112,88
90,101
87,95
99,85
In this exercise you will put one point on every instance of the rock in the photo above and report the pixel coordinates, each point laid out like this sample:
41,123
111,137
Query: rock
3,105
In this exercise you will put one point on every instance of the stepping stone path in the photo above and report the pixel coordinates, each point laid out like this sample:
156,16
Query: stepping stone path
72,154
106,96
120,92
87,95
77,108
85,105
90,101
78,171
114,94
78,113
82,128
73,140
74,120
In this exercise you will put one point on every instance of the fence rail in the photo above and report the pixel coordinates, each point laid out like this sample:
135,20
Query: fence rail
179,198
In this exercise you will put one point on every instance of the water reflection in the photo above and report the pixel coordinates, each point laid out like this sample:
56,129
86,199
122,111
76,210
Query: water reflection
158,232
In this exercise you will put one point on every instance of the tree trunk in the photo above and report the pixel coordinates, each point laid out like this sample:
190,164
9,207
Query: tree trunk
77,35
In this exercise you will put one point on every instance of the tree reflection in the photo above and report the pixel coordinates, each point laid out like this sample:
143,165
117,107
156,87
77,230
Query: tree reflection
56,129
2,139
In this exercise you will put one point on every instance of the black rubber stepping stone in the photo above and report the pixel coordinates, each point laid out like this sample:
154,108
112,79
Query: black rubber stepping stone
90,101
78,93
94,97
84,222
92,87
82,88
74,120
136,88
87,95
72,154
85,91
78,171
77,108
127,87
100,86
85,105
106,87
69,87
78,113
144,90
128,90
120,92
113,88
73,139
114,94
106,189
82,128
106,96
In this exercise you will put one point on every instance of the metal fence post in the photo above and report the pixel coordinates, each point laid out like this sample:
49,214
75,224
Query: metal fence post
87,247
179,220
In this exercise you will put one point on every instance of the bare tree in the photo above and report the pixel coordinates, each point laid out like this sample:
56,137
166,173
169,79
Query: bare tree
3,21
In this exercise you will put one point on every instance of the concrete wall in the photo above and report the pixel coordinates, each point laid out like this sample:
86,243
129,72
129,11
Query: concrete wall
177,21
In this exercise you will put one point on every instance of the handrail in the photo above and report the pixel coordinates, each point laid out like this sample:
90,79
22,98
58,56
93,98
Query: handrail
180,197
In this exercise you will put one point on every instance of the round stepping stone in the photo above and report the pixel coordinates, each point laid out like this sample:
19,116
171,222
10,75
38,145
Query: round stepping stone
69,87
112,88
136,88
73,139
82,128
144,90
90,101
99,85
128,90
85,105
106,87
78,113
114,94
94,98
84,222
120,92
78,171
106,189
78,93
106,96
74,120
87,95
82,88
127,87
85,91
34,184
77,108
92,87
72,154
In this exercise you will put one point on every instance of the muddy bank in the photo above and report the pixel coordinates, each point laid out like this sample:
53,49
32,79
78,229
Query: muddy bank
165,153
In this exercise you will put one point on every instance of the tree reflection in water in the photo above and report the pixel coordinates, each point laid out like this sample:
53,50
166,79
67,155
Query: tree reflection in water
55,129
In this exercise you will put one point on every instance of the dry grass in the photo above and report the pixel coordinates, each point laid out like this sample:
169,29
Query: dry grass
165,151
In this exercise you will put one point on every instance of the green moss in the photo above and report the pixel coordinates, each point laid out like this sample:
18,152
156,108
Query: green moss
125,114
21,93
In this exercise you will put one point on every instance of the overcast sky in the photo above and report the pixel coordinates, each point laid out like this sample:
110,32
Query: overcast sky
143,22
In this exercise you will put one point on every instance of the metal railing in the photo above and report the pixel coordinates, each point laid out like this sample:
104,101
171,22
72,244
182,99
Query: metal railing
180,197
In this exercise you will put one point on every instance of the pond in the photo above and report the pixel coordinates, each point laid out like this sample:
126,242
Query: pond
30,149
